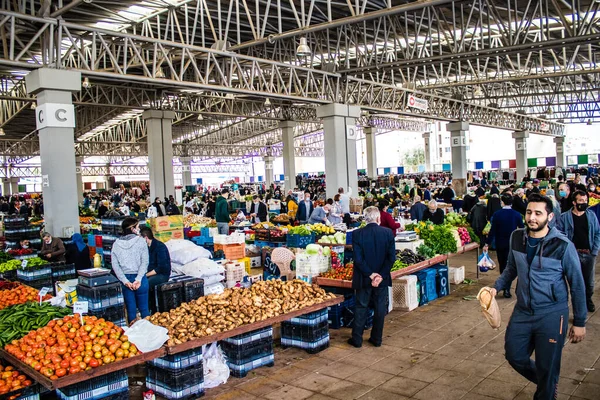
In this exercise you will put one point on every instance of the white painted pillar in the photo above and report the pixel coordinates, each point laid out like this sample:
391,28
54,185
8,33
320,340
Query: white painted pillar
160,152
560,151
186,171
521,153
458,142
289,155
55,119
427,140
268,171
370,137
79,177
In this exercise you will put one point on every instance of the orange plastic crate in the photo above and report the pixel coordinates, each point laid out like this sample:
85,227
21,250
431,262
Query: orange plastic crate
232,251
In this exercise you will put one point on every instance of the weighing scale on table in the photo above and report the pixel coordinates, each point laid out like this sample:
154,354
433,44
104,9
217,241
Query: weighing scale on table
406,236
96,277
408,240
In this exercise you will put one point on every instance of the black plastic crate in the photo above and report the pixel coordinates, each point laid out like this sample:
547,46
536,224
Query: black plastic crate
12,222
303,332
309,347
15,235
178,385
242,354
313,318
168,296
61,269
40,283
98,387
241,370
193,289
101,297
114,314
179,361
249,337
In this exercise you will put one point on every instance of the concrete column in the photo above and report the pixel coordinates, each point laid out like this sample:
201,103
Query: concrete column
289,155
521,150
458,142
6,187
427,139
14,186
160,152
79,177
370,132
339,125
560,151
186,171
268,170
55,119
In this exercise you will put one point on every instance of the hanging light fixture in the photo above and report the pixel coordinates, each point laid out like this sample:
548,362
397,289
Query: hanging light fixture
303,49
229,96
589,121
267,102
200,117
160,73
33,105
549,111
478,92
86,83
2,133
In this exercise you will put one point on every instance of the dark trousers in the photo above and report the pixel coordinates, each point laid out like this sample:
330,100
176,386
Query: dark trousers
378,297
544,334
502,255
347,220
136,299
153,281
588,270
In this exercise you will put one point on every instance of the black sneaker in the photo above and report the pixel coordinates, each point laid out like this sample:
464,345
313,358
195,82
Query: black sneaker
374,343
591,307
351,343
507,294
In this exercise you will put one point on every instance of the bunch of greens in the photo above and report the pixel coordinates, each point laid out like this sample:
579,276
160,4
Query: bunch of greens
425,251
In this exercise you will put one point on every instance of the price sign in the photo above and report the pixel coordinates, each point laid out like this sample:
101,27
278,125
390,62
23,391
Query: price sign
24,264
80,307
43,291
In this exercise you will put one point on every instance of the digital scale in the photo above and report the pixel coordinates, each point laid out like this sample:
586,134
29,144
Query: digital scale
93,277
407,236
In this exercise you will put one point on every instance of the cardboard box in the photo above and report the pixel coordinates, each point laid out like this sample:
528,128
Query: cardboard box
168,223
165,236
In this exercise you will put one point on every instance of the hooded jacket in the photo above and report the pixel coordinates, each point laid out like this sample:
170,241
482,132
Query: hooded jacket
130,256
542,286
565,225
221,210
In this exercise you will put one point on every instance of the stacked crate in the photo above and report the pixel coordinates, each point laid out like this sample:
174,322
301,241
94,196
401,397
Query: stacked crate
177,376
62,272
36,277
171,294
249,351
309,332
114,385
105,301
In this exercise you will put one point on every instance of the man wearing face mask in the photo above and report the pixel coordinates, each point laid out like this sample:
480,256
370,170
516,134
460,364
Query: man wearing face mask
433,213
159,207
222,213
53,249
564,196
305,209
581,226
258,210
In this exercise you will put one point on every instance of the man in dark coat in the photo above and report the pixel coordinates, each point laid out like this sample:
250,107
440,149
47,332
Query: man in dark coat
374,255
258,211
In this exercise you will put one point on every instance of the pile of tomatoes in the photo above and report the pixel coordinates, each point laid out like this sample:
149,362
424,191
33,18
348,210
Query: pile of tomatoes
19,295
65,347
11,380
344,273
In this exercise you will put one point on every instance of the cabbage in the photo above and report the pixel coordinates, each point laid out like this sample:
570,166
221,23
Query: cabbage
327,251
314,249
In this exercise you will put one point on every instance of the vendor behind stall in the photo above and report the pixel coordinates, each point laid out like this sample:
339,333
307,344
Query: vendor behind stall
53,249
78,253
159,265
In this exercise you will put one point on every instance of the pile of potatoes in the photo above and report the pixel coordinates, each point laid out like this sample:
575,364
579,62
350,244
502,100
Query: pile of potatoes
213,314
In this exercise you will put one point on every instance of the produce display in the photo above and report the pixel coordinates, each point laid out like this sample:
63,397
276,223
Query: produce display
19,295
20,252
335,260
408,257
322,229
344,273
455,219
35,262
87,220
438,237
465,238
10,265
594,199
16,321
5,285
337,238
425,251
65,347
399,264
281,219
11,381
302,230
217,313
196,220
4,257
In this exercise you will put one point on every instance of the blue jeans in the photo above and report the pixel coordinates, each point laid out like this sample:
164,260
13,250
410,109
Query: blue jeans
378,297
545,334
136,299
223,228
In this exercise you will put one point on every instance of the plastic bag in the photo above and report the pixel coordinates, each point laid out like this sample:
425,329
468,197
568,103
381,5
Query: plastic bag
489,307
146,336
216,371
485,262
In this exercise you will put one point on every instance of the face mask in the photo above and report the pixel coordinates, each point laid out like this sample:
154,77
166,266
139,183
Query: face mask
48,241
25,246
592,188
581,207
562,193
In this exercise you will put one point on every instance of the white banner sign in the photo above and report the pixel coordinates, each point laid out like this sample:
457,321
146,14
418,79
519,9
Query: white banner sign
415,102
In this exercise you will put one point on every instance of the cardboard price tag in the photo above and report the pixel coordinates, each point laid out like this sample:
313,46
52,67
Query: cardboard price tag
43,291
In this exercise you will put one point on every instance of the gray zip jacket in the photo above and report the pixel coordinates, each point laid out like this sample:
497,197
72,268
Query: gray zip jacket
130,256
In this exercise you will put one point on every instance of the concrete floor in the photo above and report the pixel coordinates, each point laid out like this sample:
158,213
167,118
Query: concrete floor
444,351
